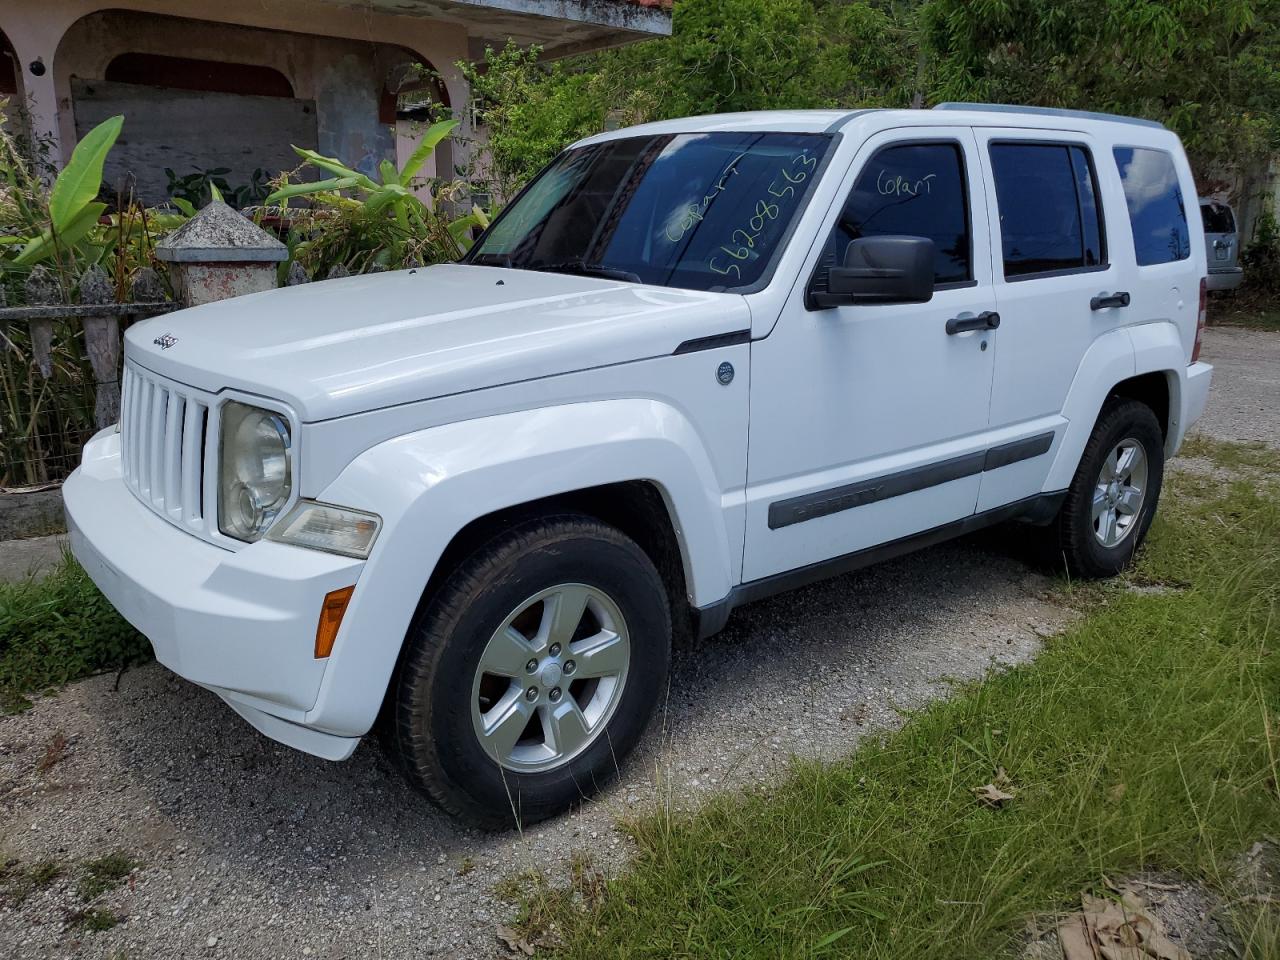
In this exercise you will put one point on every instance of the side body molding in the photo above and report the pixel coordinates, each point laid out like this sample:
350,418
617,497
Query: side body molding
428,485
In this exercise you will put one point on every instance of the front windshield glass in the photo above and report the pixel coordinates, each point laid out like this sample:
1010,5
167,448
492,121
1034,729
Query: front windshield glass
703,211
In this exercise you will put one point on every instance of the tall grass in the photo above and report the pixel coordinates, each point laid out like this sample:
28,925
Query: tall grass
57,629
1145,736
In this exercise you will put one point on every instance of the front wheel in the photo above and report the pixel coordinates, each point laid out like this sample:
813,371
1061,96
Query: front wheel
532,673
1113,496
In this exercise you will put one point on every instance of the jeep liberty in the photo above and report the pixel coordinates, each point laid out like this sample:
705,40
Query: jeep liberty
692,364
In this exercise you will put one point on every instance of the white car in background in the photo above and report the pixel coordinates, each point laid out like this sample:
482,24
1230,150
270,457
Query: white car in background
692,364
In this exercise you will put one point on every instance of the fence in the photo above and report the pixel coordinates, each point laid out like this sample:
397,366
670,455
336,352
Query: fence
60,369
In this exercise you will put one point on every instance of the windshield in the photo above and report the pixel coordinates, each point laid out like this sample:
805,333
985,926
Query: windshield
703,211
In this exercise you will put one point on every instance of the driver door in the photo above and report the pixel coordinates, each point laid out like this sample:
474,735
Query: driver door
868,421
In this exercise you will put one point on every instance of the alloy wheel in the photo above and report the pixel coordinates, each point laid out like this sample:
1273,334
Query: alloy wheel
1119,493
550,678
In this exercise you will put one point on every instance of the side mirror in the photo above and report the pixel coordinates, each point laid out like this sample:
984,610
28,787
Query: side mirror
881,270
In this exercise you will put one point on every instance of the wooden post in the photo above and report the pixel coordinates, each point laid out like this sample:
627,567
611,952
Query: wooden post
102,344
42,290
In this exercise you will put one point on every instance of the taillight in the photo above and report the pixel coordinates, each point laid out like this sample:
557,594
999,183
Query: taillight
1201,318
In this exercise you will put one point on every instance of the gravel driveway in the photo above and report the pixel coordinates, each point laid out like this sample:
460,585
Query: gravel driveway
248,849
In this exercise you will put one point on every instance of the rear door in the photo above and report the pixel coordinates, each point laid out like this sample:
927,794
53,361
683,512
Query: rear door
1219,235
1056,290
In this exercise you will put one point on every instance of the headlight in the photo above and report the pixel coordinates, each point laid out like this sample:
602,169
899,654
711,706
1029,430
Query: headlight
255,475
322,526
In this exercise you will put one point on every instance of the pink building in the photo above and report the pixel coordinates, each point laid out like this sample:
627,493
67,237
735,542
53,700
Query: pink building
232,84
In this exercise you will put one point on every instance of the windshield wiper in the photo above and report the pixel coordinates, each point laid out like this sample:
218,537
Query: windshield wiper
491,260
588,270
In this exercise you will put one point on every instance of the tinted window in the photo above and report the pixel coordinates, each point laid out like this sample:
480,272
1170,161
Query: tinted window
1156,208
705,211
1217,218
1048,203
914,189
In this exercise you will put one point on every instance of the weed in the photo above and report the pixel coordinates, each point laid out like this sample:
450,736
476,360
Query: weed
21,882
104,873
54,753
57,629
96,919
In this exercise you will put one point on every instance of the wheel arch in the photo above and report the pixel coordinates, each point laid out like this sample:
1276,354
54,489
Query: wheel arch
638,508
1140,362
637,464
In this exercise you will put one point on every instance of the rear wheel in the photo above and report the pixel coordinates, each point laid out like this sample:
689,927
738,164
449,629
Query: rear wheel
1113,496
532,673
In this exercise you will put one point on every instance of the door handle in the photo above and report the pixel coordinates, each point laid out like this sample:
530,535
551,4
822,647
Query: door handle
1105,301
987,320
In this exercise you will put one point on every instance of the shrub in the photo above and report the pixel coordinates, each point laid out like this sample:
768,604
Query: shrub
1261,256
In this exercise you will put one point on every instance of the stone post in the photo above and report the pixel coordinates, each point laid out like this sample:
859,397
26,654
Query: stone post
219,253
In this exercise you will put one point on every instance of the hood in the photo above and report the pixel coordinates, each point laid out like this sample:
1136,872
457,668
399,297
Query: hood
338,347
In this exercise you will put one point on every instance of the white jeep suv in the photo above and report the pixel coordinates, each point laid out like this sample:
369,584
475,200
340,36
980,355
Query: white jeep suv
692,364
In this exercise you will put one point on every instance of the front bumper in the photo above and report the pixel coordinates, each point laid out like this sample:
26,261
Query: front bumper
240,622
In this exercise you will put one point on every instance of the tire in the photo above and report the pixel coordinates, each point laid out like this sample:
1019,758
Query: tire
1088,543
443,696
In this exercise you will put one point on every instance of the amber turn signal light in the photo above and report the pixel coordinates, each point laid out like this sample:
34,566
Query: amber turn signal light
331,612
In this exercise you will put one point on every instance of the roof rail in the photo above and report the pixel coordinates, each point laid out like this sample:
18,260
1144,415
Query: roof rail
1051,112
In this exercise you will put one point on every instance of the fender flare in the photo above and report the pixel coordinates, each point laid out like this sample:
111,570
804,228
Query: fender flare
1112,358
1158,348
428,485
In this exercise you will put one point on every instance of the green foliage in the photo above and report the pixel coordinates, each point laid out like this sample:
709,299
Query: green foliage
197,188
1261,256
723,55
105,873
1145,737
95,919
21,882
57,629
1208,70
72,210
386,225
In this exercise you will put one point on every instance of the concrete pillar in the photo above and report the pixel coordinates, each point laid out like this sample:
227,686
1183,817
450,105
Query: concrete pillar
219,254
35,35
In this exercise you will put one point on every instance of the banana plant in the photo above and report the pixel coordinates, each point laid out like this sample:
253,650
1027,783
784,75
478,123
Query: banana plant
392,192
389,200
73,207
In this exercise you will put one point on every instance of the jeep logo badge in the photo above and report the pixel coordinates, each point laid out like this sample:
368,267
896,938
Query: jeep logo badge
165,341
724,373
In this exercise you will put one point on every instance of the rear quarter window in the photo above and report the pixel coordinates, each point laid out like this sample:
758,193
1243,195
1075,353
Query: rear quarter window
1157,209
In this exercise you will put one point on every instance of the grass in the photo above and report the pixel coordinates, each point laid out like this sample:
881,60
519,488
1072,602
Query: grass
105,873
96,919
21,882
1256,311
56,629
1146,736
1232,456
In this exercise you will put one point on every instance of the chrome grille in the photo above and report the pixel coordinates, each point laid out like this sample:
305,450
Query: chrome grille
163,428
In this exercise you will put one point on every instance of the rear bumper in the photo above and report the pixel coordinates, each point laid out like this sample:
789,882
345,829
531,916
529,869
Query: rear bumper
240,622
1195,394
1225,278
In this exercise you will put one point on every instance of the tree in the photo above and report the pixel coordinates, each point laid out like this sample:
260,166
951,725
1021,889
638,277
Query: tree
1209,69
723,55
